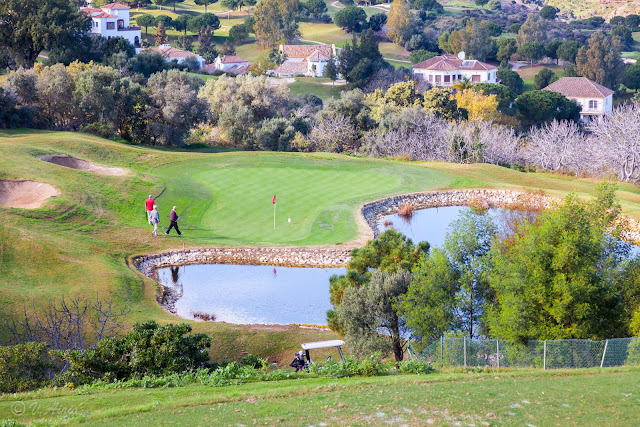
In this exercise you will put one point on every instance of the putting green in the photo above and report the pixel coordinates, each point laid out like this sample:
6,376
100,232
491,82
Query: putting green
228,197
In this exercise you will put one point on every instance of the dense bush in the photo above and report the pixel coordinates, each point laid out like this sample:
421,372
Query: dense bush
25,367
149,349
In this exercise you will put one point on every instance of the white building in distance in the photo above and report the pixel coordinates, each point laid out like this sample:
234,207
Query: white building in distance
178,55
305,60
112,20
595,99
446,70
230,64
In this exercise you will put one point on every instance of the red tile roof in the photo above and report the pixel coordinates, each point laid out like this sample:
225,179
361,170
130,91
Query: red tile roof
171,52
292,67
115,6
318,56
102,15
237,69
453,63
90,10
304,51
579,87
231,59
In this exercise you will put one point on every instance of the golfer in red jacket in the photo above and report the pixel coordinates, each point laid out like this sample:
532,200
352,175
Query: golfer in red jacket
148,207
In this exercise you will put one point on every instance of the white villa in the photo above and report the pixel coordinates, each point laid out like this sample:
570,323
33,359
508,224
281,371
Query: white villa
112,20
231,64
178,55
595,99
306,60
446,70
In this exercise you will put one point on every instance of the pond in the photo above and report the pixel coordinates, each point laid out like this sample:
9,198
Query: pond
429,225
251,294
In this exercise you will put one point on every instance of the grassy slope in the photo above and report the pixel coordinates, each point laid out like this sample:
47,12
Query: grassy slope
78,242
582,397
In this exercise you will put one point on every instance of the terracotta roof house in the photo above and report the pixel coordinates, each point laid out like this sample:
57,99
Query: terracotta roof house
112,20
306,60
595,99
446,70
230,64
177,55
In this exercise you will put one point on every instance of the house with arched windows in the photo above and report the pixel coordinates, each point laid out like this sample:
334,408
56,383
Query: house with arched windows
112,20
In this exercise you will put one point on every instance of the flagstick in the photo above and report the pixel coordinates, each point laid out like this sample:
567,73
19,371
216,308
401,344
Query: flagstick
274,216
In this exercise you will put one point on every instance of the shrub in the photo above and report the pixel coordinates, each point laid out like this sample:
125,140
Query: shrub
99,129
149,349
418,367
633,353
25,367
253,361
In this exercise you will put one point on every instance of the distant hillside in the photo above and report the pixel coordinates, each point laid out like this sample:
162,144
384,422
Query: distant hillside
604,8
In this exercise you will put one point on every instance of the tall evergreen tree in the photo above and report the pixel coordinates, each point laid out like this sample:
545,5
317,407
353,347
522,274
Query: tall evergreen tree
600,61
206,48
161,35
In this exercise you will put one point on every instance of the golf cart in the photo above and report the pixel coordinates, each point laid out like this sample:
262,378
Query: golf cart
322,344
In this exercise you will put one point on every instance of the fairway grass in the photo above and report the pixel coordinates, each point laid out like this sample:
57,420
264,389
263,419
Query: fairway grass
79,242
592,397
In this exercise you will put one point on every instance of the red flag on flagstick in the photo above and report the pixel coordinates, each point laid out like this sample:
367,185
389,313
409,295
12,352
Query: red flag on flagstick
274,199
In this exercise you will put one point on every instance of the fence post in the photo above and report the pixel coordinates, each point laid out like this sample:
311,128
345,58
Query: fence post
442,351
498,352
464,341
606,344
544,356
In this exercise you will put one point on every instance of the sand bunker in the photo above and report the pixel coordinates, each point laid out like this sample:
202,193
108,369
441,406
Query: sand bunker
25,194
83,165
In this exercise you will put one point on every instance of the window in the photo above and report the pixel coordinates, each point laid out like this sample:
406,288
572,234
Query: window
438,79
447,79
120,23
111,25
475,78
593,105
430,77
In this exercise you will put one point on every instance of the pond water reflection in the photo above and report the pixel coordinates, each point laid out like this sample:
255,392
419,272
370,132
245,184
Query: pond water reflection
246,294
429,225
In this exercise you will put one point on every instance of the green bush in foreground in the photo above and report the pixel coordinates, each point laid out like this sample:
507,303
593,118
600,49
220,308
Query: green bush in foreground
24,367
149,349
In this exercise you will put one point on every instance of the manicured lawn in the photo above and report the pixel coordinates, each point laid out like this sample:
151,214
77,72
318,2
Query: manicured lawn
578,397
392,50
528,73
325,33
316,86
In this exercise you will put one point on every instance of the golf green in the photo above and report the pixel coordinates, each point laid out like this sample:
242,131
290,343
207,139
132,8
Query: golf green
229,197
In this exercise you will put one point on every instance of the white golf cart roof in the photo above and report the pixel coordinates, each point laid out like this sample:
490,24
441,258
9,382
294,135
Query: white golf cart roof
322,344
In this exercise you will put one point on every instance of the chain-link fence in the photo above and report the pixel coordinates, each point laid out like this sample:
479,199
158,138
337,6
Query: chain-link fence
549,354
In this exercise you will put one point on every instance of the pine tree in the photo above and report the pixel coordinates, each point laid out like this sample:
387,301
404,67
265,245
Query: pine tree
161,35
207,48
331,71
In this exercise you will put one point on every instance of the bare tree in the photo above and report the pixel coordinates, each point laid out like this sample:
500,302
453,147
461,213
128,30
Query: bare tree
71,323
556,146
619,136
334,133
417,135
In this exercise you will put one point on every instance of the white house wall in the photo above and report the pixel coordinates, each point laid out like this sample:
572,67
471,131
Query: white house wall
484,76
